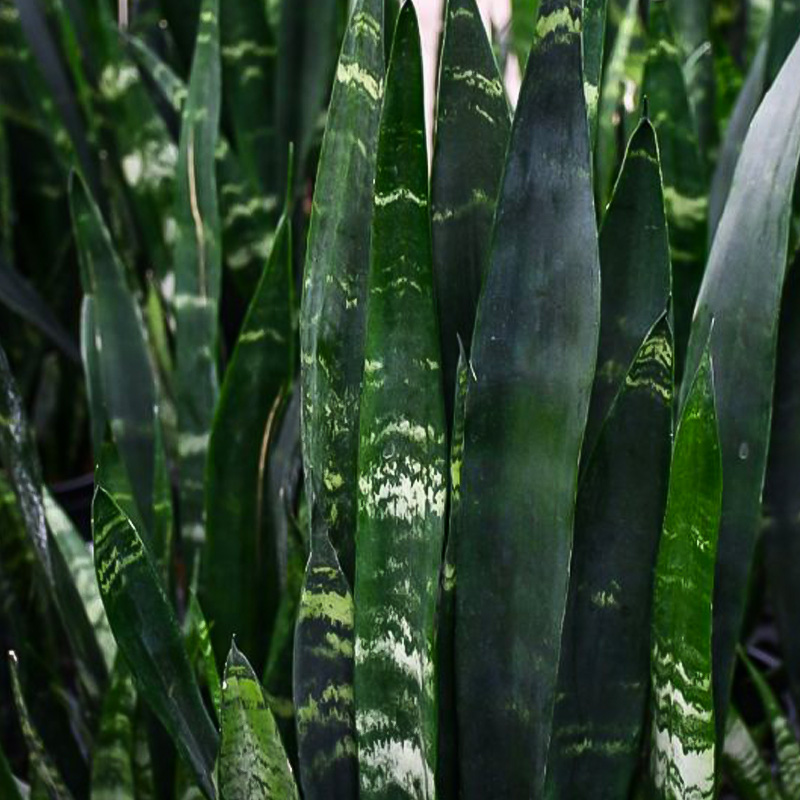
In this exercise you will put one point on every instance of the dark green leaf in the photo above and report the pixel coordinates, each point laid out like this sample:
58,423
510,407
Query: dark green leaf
784,32
124,378
635,267
741,292
8,784
147,633
524,14
471,107
112,757
255,382
594,34
252,761
335,284
41,766
682,168
198,645
533,355
682,706
447,755
402,485
605,651
197,276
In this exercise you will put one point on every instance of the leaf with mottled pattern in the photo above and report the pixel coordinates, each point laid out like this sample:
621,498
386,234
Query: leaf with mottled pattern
682,742
743,764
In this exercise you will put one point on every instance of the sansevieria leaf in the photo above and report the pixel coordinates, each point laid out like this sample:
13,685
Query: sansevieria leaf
112,759
741,292
471,107
42,767
533,357
402,485
594,34
743,764
252,762
635,268
682,166
605,656
682,744
148,636
197,274
334,290
256,379
197,640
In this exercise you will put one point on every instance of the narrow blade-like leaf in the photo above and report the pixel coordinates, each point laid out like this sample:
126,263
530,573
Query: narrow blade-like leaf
594,34
682,707
148,636
197,275
471,107
533,354
402,486
743,764
334,290
784,31
605,651
252,761
256,378
741,291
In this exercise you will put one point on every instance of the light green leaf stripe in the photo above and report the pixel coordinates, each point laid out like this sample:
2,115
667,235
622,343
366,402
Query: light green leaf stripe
594,34
533,360
741,292
79,561
197,276
471,106
682,167
743,764
252,761
682,746
787,748
148,636
333,310
402,484
42,767
112,757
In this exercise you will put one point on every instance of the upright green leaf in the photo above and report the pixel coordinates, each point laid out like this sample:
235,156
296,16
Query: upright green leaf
784,32
692,20
741,292
197,639
682,706
124,377
605,651
112,758
787,748
742,763
334,289
252,761
402,486
147,633
533,356
79,561
471,107
41,766
197,275
594,34
447,753
248,86
323,678
635,268
236,552
682,167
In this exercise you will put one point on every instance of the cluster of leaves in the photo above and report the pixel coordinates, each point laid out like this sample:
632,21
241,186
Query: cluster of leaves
458,476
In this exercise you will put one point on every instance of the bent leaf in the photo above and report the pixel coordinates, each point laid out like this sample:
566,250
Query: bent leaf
533,355
252,761
147,633
402,486
741,291
682,705
333,311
